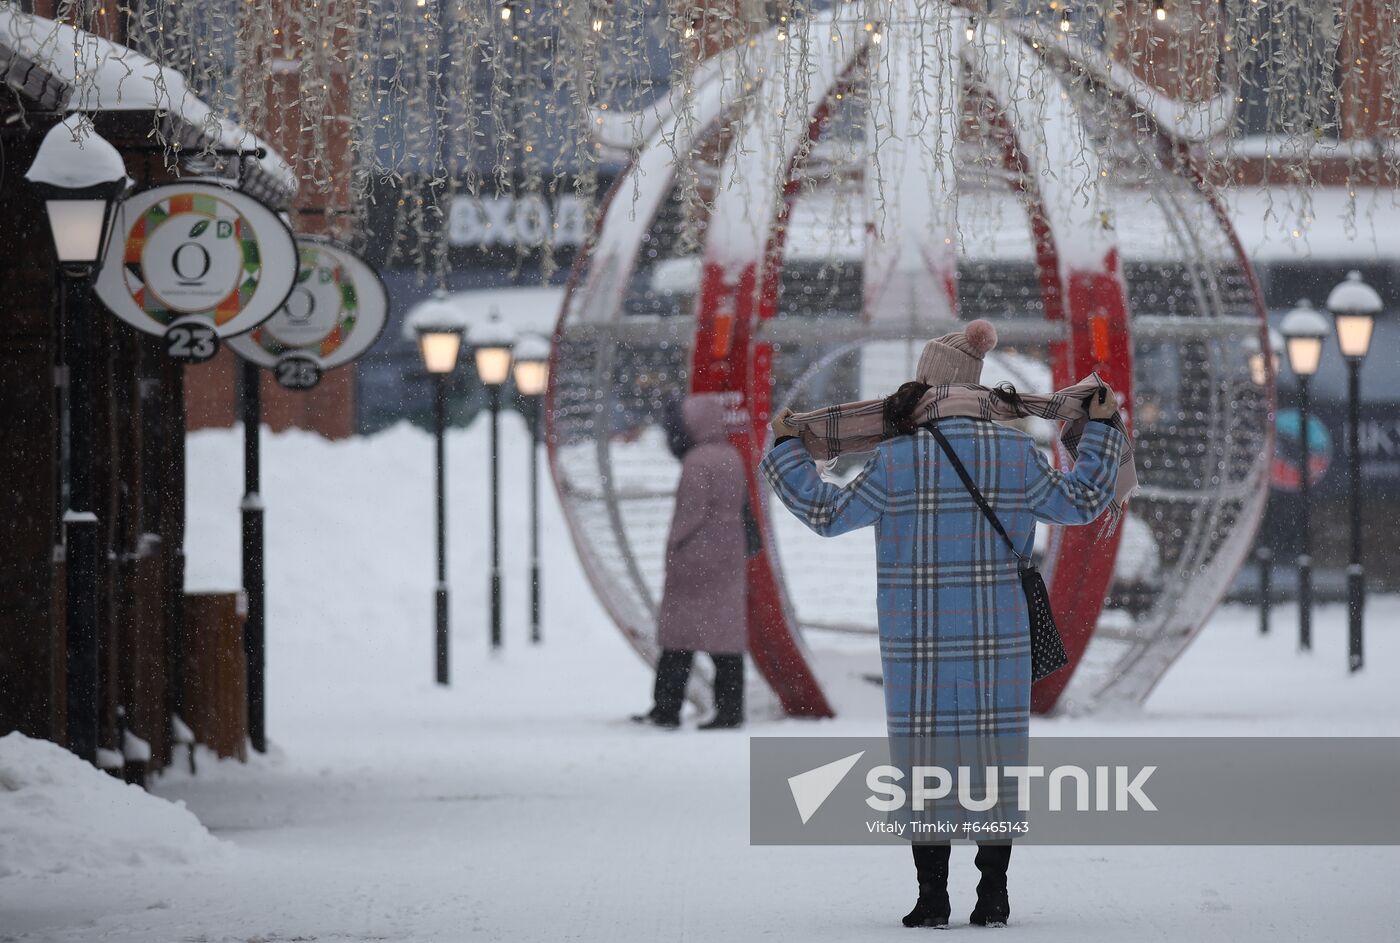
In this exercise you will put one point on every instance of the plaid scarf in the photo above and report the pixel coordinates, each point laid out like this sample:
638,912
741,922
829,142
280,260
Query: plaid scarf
858,427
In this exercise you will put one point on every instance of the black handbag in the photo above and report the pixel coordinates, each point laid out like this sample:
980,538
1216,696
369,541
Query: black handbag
1047,648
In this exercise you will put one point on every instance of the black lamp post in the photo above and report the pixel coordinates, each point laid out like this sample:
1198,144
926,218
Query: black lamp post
1263,369
80,177
531,372
1354,306
1304,329
492,343
250,511
440,347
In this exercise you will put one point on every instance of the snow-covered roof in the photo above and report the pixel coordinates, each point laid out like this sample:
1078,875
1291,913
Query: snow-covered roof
103,76
35,86
492,331
1279,224
533,310
1274,223
1285,147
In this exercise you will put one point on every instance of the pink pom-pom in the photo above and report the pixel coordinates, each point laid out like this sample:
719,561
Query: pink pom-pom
981,336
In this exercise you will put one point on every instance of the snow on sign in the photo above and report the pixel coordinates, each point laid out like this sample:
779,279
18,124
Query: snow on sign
196,262
336,311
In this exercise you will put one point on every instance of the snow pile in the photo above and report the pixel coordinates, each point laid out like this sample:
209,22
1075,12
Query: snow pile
58,815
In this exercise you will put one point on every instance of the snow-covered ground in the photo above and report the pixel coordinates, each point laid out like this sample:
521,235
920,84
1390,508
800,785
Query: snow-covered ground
59,817
520,805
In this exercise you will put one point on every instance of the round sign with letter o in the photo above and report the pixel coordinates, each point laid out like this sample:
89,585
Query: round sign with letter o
316,307
196,252
335,313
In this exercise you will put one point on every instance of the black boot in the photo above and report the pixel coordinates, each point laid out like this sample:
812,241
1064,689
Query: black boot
993,907
729,693
672,674
932,908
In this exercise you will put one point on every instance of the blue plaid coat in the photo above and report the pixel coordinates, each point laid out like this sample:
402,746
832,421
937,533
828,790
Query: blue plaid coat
954,633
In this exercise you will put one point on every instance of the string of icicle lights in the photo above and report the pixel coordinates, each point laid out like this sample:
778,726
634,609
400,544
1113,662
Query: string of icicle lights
436,99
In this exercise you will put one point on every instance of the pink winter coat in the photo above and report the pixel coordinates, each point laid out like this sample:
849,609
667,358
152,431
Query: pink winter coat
703,604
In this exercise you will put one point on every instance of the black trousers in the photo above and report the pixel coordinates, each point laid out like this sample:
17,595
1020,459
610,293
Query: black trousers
673,673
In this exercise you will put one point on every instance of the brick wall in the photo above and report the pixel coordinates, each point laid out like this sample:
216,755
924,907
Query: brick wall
211,397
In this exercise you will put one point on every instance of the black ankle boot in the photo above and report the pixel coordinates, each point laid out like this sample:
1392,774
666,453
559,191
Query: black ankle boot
656,720
993,906
672,673
729,693
932,908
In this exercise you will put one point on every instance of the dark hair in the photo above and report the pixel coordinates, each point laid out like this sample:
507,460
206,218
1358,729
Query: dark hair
900,406
1005,392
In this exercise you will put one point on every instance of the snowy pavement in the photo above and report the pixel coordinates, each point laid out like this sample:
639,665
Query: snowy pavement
519,805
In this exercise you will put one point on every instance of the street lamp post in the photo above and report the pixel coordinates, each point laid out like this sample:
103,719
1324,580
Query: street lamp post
1354,306
1304,330
440,347
251,519
80,177
531,373
1263,369
492,343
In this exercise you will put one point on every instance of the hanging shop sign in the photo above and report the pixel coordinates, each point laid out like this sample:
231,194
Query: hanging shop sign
336,311
195,263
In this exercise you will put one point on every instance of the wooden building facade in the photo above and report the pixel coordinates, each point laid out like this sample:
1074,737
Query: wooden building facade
140,444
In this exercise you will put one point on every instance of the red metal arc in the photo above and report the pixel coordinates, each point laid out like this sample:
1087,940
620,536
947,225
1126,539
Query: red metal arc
726,360
1091,303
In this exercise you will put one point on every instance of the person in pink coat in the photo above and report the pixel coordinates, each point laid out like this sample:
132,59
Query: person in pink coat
704,601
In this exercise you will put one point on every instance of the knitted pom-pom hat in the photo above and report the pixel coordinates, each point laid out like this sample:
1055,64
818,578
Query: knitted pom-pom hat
957,357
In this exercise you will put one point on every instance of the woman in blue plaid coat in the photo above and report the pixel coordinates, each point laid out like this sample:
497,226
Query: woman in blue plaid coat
954,632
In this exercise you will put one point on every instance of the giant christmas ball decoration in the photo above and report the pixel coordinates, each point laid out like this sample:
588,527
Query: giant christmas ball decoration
822,200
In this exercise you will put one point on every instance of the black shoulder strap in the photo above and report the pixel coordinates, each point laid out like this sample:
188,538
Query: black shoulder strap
971,487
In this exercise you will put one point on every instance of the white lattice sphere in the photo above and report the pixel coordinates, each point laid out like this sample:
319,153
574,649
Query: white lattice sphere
856,204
